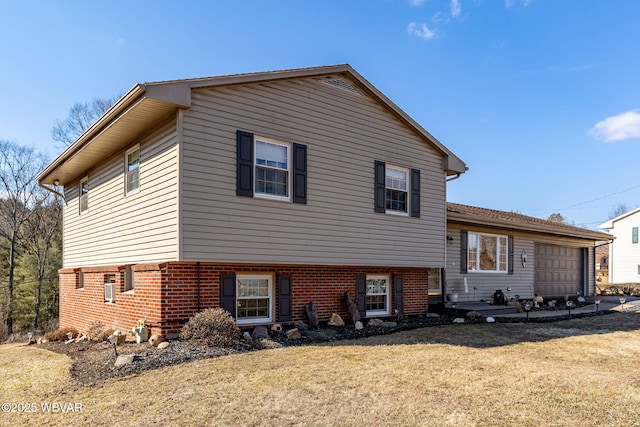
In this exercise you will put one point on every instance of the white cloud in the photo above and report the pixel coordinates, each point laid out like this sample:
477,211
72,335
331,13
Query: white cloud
617,128
455,8
416,2
421,30
510,3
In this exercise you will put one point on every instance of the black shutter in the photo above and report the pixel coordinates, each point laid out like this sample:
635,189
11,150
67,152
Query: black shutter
379,188
244,168
415,193
228,293
464,254
284,298
510,255
361,295
398,290
299,173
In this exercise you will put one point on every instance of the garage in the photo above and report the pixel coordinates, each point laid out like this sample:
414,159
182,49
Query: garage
559,270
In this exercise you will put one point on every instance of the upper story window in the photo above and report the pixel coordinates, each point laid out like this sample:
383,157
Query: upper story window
634,235
132,170
84,195
396,190
272,169
487,252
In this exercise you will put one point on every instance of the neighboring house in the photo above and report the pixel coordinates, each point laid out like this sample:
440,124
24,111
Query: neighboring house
257,193
496,250
624,252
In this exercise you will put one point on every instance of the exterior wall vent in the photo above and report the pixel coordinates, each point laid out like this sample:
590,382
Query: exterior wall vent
341,84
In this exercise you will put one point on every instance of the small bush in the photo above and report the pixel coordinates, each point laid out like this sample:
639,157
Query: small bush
95,330
61,334
213,327
104,335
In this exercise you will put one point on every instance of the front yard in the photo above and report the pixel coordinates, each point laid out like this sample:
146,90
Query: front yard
575,372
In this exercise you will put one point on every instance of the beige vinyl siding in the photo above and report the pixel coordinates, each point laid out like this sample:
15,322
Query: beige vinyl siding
344,134
138,228
522,281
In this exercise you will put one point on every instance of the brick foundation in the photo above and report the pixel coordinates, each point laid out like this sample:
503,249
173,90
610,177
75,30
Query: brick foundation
167,294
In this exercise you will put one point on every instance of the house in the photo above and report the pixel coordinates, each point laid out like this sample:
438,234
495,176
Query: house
517,254
257,193
624,253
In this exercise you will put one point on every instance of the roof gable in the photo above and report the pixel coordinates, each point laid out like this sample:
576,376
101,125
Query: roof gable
146,104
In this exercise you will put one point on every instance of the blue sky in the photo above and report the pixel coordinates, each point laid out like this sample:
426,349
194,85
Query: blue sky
541,98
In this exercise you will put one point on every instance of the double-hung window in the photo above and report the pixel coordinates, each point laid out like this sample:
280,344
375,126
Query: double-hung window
132,170
377,299
396,189
272,169
634,235
84,195
254,298
487,252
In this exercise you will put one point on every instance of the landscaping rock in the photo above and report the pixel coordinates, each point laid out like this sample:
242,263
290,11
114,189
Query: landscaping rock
300,325
335,320
359,326
156,339
260,332
163,345
490,320
458,320
293,334
124,359
276,327
375,322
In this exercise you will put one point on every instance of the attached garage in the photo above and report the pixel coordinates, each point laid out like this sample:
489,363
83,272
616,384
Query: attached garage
560,270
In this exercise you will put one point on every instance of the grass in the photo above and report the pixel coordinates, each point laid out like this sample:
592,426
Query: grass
578,372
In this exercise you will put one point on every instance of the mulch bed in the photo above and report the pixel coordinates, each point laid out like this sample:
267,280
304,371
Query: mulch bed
93,362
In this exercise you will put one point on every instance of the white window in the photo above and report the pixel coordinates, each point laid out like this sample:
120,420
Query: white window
396,189
110,288
377,300
272,169
84,195
254,298
487,252
132,170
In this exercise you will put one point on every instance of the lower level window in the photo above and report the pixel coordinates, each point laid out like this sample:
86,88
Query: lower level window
254,297
377,295
109,287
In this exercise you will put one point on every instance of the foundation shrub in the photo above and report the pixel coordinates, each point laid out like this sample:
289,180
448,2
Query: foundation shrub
61,334
212,327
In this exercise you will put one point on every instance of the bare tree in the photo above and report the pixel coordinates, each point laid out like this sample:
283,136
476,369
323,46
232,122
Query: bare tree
620,209
18,169
81,117
42,232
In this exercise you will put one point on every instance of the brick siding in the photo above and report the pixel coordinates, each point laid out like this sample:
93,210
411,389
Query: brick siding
168,294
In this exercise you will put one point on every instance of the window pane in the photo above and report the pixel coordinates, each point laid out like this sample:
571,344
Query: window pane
488,252
396,179
377,289
133,160
271,181
396,200
473,252
132,180
503,254
253,287
272,155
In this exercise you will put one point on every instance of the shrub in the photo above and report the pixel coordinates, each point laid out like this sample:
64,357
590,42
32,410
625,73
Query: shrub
61,334
95,330
213,327
104,335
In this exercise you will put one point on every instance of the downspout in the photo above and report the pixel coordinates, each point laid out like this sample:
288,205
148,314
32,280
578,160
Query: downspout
458,175
198,283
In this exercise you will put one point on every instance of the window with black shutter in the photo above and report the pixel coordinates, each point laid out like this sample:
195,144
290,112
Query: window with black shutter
396,190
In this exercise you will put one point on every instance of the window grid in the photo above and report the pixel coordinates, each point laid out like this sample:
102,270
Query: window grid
487,253
272,167
377,294
396,183
253,298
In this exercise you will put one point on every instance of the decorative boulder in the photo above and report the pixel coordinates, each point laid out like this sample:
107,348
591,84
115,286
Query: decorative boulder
335,320
124,359
300,325
375,322
312,314
352,308
359,325
293,334
156,339
276,327
458,320
260,332
163,345
490,320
